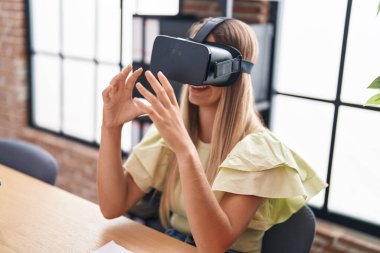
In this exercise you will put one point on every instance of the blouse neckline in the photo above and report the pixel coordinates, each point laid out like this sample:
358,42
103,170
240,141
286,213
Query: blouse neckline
203,145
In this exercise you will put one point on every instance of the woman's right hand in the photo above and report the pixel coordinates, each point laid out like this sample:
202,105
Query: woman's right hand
118,105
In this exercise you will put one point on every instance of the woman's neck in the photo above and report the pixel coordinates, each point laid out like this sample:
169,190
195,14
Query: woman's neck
206,122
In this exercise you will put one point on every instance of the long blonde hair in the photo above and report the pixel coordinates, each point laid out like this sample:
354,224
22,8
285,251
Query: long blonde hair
236,114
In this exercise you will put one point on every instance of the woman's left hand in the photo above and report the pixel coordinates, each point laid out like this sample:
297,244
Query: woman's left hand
164,112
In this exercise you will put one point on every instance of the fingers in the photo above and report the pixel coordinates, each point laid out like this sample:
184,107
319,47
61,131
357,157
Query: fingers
157,87
146,108
130,83
168,88
119,80
106,93
153,100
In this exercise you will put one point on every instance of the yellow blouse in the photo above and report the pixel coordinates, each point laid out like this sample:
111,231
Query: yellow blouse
259,165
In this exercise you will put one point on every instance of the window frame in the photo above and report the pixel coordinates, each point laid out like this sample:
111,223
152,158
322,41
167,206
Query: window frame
61,57
324,212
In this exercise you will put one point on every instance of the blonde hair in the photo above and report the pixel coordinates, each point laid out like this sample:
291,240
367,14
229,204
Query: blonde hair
236,114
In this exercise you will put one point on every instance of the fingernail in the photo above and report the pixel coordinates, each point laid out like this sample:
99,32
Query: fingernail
159,72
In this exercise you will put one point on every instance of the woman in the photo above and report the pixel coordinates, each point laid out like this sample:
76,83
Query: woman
225,178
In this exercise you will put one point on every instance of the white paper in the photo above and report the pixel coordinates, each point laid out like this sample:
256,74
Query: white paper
111,247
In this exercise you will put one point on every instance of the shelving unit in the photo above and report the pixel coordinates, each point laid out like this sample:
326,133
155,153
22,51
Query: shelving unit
145,29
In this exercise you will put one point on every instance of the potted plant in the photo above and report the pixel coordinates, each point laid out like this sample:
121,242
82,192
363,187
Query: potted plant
375,99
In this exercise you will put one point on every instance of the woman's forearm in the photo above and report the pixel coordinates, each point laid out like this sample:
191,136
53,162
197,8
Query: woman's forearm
111,183
209,224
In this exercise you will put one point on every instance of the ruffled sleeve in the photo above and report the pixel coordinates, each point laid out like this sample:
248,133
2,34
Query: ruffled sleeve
263,166
148,162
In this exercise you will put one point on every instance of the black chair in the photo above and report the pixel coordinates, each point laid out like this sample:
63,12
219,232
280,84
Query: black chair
146,211
29,159
295,235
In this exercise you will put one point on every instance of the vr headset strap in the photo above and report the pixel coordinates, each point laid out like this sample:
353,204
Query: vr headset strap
246,66
232,66
229,66
207,28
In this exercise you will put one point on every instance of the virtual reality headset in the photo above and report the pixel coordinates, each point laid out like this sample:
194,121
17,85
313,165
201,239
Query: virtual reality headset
196,61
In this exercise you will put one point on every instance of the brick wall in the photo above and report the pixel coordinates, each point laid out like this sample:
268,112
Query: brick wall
246,10
332,238
78,162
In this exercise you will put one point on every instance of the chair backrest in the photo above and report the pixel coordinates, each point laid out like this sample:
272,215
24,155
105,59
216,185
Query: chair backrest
29,159
295,235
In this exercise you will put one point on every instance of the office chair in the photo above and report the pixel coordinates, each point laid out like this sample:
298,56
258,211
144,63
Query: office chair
29,159
146,211
295,235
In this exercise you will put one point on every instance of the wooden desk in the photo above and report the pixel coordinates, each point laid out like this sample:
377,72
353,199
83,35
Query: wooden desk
37,217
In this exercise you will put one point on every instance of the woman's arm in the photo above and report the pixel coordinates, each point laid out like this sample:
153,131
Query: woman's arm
215,226
117,192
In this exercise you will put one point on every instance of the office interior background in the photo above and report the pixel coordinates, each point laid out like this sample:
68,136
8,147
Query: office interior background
317,59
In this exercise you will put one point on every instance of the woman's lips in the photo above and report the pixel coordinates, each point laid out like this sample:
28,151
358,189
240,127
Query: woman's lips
198,89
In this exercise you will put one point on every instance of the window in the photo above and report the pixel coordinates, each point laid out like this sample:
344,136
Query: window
76,47
326,56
